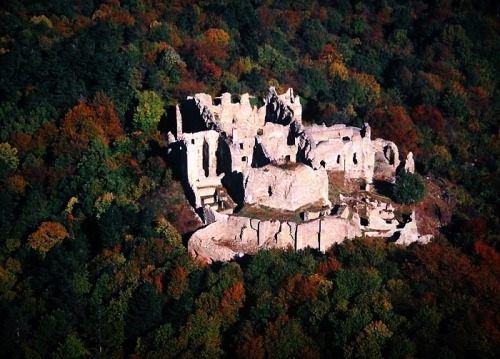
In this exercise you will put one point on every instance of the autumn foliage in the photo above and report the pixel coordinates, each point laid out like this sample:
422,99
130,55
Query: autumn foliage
429,116
47,236
87,122
93,219
396,125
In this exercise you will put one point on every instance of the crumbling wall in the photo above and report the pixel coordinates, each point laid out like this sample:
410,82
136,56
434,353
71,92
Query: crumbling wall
386,160
227,236
281,109
293,103
342,148
232,236
334,229
275,142
321,133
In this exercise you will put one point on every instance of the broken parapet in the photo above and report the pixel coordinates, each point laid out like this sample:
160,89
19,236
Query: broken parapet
281,109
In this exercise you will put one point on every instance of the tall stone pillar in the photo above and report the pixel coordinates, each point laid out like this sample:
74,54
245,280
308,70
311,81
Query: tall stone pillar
410,163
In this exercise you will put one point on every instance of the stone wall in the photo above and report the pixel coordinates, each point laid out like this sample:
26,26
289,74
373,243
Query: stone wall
232,236
228,236
386,160
276,145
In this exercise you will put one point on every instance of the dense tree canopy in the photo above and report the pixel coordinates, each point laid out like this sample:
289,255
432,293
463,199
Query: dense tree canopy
92,218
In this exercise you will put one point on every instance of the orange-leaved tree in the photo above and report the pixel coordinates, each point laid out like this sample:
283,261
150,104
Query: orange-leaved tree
47,236
86,122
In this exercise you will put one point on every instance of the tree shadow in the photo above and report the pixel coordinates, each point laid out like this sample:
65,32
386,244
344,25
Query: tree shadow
383,188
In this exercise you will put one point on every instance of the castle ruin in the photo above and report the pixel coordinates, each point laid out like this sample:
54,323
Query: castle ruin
235,153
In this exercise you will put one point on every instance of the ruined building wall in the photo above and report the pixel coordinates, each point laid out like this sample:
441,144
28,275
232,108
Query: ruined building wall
386,160
276,144
226,237
293,103
201,164
253,137
230,115
342,148
321,133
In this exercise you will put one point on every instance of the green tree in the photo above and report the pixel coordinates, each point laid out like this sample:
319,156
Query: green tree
148,111
144,311
8,154
409,188
72,348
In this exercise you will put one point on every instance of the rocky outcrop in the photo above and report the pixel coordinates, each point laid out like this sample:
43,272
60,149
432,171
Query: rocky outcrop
285,187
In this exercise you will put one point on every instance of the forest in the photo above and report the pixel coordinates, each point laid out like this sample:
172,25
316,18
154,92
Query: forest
93,220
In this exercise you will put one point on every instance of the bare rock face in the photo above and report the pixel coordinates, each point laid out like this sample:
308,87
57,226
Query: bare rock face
286,188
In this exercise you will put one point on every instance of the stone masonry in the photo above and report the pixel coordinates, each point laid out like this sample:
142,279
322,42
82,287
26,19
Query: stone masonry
234,153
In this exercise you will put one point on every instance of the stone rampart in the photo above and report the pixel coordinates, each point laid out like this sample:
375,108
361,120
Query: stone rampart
232,236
